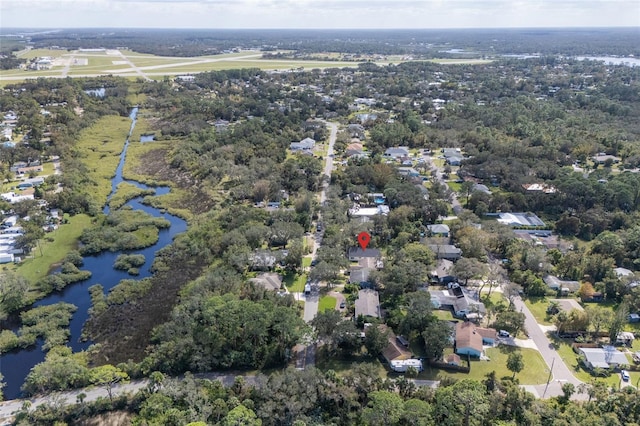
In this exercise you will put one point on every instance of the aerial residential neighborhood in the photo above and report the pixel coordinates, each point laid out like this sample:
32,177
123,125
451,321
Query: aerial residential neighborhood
309,227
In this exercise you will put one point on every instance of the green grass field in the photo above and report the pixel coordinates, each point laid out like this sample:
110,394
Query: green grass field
535,370
538,307
64,239
295,282
327,303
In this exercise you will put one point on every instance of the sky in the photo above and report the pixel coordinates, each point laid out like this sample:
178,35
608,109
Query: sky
318,13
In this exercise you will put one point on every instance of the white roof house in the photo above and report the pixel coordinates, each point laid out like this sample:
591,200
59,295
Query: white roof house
605,357
305,144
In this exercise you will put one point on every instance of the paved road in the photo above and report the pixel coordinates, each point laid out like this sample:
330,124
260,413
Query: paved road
7,408
455,204
307,356
560,372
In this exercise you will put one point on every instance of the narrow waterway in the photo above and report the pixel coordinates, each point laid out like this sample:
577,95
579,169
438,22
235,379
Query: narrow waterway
16,365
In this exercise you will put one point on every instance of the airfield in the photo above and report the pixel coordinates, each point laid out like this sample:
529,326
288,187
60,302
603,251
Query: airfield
126,63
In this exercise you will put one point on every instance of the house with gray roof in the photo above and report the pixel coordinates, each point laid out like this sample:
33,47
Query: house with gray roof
396,152
306,144
438,230
368,304
446,251
606,357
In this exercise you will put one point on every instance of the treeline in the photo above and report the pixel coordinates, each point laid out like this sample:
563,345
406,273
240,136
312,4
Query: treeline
357,397
429,43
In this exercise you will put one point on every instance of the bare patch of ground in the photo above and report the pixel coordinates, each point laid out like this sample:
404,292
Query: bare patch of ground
568,304
114,418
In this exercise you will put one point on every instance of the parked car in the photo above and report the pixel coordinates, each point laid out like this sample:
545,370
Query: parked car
625,375
503,333
343,305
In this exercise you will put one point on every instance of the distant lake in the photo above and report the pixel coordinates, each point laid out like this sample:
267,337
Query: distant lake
613,60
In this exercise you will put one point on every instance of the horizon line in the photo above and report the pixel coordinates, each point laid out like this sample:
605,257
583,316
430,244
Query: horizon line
24,28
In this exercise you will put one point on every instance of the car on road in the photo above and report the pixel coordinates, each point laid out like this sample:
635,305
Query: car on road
625,375
503,333
343,305
314,262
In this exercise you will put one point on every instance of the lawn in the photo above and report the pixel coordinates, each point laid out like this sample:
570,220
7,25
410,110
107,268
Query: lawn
343,366
295,282
327,303
454,186
65,238
538,307
535,370
306,262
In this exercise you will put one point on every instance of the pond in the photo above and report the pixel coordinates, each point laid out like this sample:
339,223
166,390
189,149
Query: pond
16,365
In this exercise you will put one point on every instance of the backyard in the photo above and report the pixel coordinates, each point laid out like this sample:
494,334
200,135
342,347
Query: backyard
535,370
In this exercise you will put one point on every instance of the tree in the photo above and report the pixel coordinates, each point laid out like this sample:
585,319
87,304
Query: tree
511,321
466,189
108,376
384,408
436,336
469,268
515,363
599,318
325,322
417,412
419,313
241,416
13,289
618,321
376,339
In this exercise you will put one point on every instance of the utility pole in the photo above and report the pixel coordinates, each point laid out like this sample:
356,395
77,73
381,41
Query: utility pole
549,378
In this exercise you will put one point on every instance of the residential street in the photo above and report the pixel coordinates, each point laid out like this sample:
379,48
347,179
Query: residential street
560,373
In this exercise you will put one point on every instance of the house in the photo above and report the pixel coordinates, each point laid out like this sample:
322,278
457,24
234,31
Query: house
396,152
442,273
478,187
368,304
602,158
262,260
306,144
539,187
356,131
622,272
438,230
470,339
564,286
357,253
29,169
519,219
12,197
605,357
458,300
364,213
395,353
408,171
359,275
446,251
269,281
